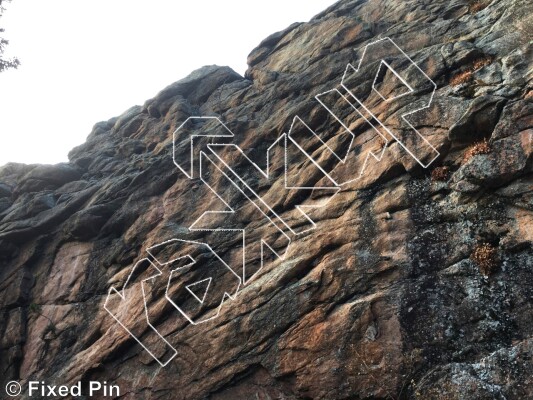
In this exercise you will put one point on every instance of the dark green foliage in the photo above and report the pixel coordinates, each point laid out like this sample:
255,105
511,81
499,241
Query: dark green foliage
5,63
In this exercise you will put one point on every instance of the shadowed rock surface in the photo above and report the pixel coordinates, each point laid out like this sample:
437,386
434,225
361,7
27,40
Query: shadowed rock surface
381,301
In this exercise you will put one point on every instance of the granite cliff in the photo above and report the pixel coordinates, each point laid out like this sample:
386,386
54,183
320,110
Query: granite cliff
416,283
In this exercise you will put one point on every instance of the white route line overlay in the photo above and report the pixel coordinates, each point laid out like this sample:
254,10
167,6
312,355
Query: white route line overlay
189,172
122,295
411,90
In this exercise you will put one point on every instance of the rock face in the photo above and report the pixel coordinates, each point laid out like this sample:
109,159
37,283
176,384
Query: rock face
381,300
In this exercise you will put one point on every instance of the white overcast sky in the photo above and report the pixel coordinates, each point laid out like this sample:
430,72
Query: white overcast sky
88,61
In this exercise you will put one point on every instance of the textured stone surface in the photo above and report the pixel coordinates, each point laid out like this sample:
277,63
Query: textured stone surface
380,301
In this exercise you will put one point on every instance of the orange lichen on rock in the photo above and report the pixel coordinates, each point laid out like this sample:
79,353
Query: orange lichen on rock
440,174
477,6
485,256
481,62
461,77
466,75
482,147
